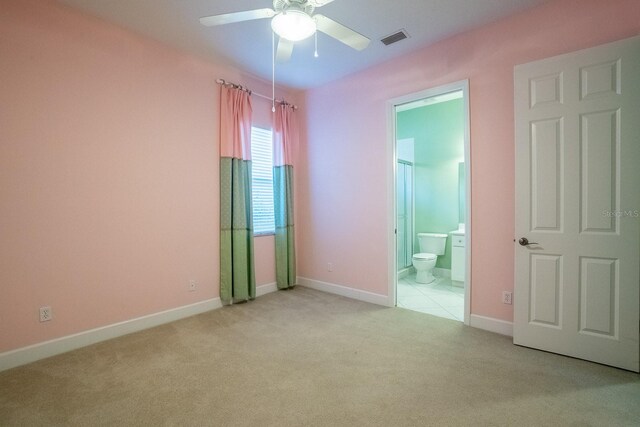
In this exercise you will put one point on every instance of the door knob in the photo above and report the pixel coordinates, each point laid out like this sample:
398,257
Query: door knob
524,242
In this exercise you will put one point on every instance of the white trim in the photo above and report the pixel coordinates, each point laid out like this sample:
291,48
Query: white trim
344,291
266,289
457,284
56,346
442,272
406,272
467,216
490,324
392,215
392,276
22,356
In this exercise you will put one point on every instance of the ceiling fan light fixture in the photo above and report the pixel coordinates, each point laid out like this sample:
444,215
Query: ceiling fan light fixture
294,25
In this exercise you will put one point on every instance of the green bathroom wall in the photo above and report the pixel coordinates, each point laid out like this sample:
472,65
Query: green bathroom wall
438,131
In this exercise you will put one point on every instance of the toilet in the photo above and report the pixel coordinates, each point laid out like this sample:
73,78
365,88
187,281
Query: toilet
431,245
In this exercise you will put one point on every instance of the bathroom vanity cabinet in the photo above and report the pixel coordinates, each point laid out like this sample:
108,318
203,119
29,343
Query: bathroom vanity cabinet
458,255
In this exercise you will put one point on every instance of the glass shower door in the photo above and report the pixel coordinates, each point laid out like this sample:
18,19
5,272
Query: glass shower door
404,195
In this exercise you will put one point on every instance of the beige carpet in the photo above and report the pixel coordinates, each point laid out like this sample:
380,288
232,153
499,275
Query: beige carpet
306,358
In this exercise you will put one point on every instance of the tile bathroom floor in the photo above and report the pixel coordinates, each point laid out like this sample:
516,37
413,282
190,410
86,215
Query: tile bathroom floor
439,298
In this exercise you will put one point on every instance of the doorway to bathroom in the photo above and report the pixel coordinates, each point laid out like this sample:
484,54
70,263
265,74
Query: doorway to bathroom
429,147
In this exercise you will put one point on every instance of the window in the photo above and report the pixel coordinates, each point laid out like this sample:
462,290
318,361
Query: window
262,181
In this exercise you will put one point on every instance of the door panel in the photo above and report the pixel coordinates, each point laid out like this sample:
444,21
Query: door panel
598,296
577,150
600,80
546,289
599,145
546,178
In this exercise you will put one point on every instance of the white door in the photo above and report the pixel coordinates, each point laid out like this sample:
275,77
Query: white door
577,124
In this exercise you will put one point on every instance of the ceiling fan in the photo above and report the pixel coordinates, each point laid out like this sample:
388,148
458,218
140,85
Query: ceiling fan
293,20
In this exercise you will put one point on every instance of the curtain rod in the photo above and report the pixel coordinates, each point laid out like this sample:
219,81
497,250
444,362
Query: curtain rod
237,86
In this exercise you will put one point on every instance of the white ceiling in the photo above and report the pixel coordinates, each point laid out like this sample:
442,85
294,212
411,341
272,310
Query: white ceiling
247,45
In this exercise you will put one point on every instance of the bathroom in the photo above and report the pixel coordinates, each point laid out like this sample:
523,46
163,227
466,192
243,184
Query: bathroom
431,205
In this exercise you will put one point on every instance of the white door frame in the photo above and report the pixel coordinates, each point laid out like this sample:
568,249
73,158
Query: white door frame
392,157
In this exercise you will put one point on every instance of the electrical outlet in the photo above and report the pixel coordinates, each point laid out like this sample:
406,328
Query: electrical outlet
330,266
507,297
46,314
193,285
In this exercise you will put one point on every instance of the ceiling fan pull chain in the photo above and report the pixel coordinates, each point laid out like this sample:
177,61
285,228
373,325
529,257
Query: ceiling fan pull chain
273,72
315,54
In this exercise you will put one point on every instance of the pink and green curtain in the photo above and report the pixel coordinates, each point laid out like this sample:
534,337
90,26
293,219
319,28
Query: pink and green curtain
237,271
285,138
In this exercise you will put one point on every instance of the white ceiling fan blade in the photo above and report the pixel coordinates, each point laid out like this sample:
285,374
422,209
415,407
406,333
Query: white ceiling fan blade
285,48
340,32
230,18
319,3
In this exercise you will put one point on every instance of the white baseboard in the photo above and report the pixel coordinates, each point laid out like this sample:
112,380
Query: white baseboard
344,291
442,272
406,272
32,353
438,272
266,289
498,326
457,283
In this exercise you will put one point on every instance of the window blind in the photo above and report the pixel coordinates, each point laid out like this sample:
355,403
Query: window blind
262,181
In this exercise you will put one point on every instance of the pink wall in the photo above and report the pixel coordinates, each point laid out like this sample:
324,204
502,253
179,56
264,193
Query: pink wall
108,174
343,200
109,163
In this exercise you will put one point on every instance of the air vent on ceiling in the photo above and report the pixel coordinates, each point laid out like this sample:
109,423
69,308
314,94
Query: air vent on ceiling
395,37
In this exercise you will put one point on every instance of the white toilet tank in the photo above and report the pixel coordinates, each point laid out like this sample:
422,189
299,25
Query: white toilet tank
433,243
